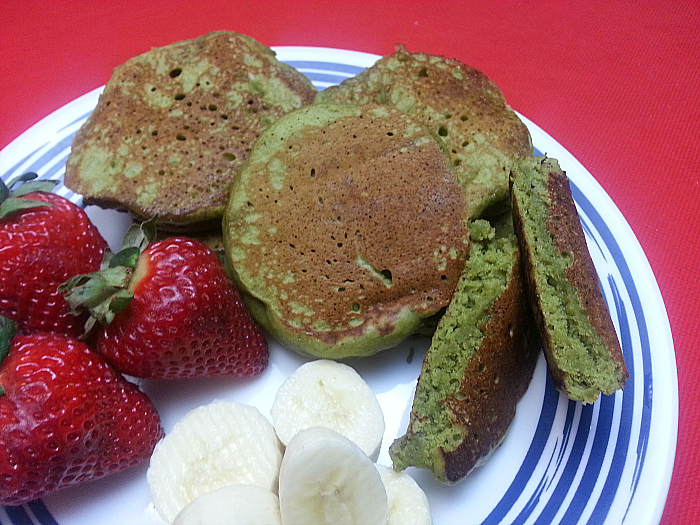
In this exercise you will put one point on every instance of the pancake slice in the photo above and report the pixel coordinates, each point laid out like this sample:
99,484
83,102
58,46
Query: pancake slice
478,366
174,124
579,339
345,229
459,104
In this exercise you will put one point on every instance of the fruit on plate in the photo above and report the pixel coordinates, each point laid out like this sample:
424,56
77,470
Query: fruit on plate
325,478
408,504
169,312
215,445
232,505
44,240
65,416
333,395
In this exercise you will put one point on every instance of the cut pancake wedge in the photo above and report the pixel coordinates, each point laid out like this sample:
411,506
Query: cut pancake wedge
478,366
578,335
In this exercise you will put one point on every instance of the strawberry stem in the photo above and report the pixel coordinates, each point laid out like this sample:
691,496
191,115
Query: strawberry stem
105,293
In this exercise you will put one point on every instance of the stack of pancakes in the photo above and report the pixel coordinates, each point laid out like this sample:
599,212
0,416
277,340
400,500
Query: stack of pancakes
347,216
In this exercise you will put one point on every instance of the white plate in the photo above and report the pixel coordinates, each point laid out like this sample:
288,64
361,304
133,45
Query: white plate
561,462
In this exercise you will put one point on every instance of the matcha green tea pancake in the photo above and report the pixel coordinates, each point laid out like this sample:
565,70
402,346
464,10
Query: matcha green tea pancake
479,364
578,335
345,228
458,103
174,125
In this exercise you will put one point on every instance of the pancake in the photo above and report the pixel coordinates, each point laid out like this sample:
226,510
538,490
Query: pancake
345,229
479,364
174,124
458,103
579,339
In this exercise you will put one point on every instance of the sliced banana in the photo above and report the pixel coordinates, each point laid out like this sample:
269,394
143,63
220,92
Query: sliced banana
222,443
329,394
408,504
326,479
232,505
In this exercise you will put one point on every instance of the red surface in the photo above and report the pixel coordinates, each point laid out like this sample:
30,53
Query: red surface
615,82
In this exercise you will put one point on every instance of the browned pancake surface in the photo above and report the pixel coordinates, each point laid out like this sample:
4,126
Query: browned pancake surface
174,125
345,219
458,103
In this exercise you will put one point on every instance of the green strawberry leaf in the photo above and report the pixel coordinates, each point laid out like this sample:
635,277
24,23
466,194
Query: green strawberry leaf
25,186
102,293
7,332
125,257
11,206
105,293
10,203
25,177
45,186
140,235
105,311
4,191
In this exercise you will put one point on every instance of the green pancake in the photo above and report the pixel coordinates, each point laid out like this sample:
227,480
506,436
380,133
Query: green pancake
579,339
461,105
479,364
174,124
345,229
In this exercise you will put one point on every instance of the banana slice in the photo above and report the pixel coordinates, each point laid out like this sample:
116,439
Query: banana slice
408,504
329,394
222,443
232,505
326,479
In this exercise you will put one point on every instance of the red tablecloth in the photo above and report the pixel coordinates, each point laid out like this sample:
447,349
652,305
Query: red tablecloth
615,82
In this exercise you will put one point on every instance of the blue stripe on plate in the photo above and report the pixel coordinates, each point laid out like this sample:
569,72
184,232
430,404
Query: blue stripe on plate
532,458
619,458
346,69
637,313
589,233
10,173
18,515
323,79
572,465
596,457
42,513
323,74
49,155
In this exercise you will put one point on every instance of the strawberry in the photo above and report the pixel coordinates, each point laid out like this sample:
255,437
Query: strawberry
44,240
180,315
66,416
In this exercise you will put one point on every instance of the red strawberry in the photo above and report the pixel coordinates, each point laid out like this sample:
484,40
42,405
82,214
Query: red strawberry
44,240
66,417
186,318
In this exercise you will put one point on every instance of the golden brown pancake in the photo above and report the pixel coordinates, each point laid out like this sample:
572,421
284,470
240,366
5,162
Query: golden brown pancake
345,228
175,123
459,104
